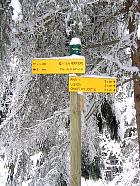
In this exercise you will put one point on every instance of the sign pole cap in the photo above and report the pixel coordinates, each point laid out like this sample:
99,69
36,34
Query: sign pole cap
75,46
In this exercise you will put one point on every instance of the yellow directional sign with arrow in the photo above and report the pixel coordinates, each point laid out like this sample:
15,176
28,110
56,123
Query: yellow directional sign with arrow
92,84
61,65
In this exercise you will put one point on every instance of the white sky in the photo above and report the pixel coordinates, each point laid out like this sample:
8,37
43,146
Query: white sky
16,5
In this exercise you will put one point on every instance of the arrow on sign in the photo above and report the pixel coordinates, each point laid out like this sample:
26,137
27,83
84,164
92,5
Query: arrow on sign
92,84
61,65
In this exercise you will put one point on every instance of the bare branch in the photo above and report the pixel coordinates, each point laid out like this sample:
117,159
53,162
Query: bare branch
91,45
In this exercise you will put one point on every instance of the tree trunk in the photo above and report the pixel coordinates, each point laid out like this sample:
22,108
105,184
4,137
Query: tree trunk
136,62
135,55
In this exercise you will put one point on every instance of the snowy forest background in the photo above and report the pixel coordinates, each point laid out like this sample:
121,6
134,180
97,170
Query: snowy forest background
34,109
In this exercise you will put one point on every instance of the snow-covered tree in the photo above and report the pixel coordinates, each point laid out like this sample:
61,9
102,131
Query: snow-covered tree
5,21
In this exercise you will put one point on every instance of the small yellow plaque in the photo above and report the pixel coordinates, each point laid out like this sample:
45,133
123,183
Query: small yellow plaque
62,65
92,84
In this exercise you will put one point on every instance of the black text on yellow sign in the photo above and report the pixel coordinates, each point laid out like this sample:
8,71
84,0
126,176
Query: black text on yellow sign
58,65
92,84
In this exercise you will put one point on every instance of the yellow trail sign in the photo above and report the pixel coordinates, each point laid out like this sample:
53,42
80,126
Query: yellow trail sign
92,84
61,65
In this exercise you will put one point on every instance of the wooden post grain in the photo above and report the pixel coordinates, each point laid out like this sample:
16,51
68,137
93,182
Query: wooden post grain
75,140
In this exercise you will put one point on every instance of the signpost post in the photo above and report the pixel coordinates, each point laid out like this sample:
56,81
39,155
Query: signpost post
75,126
75,140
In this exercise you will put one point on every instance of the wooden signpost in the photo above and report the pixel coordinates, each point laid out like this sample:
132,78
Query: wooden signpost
74,65
75,140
